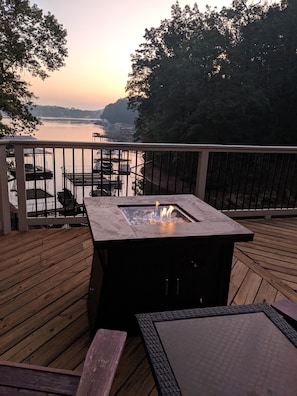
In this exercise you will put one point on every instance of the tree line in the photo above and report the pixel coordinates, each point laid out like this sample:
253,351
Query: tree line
227,76
64,112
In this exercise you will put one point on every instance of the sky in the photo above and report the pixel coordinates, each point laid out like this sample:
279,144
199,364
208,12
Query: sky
102,35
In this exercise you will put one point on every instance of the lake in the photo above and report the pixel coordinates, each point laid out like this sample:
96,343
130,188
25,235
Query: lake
74,130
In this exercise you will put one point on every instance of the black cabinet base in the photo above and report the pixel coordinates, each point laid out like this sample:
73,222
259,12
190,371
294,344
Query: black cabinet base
139,278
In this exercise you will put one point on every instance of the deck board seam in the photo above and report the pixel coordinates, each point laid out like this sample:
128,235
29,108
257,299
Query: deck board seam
265,274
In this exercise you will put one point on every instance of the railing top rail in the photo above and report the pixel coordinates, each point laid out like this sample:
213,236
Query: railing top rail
152,146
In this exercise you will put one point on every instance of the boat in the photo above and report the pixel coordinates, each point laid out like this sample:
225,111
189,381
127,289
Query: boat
69,203
103,167
100,192
98,135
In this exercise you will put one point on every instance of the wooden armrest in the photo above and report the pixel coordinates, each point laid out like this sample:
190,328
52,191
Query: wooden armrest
101,363
96,378
36,378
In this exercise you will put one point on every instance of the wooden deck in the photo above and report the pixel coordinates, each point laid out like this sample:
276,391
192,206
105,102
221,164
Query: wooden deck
44,276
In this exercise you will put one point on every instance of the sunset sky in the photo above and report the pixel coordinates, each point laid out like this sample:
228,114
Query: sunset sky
102,34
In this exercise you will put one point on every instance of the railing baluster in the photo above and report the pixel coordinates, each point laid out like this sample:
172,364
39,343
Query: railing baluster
292,183
160,172
152,171
35,183
232,165
44,183
266,166
201,178
273,177
127,167
54,180
168,170
176,173
280,181
245,181
225,170
183,166
239,178
21,187
255,183
218,173
194,171
4,197
209,179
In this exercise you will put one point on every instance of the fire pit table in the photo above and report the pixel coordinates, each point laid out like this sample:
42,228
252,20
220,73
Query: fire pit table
156,253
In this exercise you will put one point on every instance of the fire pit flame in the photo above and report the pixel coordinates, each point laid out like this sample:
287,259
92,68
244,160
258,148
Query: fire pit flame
166,213
159,215
152,215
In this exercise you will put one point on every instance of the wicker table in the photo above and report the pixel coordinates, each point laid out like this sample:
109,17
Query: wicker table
221,351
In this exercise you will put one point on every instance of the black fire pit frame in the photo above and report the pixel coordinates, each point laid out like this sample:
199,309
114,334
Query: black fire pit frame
157,267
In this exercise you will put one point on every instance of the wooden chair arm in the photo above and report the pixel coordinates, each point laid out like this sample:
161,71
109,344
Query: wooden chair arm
37,378
96,378
101,363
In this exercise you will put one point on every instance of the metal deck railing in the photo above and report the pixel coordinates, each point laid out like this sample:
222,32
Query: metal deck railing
45,182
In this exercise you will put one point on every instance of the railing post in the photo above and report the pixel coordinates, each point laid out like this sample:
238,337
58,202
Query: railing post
4,198
201,174
21,187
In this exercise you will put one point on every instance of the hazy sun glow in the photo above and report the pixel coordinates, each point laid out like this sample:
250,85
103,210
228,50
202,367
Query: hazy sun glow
101,37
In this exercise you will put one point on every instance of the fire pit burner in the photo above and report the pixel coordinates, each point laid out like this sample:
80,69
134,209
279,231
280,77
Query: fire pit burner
152,214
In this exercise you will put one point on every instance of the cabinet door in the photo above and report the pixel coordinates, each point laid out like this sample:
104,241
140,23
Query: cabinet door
153,286
135,279
196,275
203,272
172,279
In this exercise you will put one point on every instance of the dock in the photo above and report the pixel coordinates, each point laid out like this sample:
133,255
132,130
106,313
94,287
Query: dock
93,179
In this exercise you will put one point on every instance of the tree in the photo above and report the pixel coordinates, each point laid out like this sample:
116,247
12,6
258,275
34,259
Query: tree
171,73
119,112
219,77
29,41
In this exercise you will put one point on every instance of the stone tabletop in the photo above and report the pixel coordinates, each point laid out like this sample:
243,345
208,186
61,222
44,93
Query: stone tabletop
108,223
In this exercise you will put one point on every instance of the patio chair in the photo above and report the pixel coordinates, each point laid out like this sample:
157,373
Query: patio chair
96,378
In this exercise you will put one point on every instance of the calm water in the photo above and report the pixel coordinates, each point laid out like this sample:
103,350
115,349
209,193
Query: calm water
68,130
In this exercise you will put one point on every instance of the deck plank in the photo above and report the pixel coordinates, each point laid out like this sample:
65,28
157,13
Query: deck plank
24,348
248,289
266,293
44,275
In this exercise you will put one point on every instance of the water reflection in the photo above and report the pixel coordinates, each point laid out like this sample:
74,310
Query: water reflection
68,129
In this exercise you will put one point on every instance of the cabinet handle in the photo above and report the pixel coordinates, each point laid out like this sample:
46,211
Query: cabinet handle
177,286
166,286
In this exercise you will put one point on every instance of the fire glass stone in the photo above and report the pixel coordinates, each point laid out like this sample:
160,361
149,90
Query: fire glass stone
150,214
